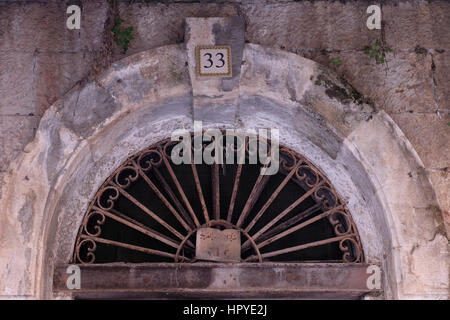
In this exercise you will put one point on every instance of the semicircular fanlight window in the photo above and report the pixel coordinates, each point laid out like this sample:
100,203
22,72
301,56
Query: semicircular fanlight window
152,210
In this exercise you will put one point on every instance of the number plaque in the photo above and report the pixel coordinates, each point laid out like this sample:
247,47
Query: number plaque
214,61
218,245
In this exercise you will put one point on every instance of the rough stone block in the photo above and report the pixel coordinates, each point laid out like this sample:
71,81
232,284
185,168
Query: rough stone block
17,83
57,73
405,85
215,98
151,76
442,78
440,179
158,24
15,133
309,25
429,136
88,107
426,279
417,23
42,26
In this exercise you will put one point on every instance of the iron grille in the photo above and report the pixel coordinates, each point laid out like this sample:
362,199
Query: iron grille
149,210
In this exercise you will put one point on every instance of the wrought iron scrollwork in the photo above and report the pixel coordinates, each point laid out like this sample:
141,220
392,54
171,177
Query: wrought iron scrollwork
182,212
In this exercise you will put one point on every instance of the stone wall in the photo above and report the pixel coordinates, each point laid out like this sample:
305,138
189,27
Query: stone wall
40,60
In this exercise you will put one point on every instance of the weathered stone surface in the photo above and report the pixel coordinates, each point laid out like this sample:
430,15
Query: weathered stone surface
158,24
215,98
42,26
405,85
440,179
431,279
152,75
88,107
75,170
56,74
309,25
415,252
429,135
442,79
417,23
410,201
15,133
221,279
17,81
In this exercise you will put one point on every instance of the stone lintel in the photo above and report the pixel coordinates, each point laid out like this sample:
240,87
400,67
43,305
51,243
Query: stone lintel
343,280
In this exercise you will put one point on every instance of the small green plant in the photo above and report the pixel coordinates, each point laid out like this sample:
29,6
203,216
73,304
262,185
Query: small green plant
378,52
122,36
336,61
448,123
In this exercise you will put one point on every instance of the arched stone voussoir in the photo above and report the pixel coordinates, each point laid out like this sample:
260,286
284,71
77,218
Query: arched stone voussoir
346,132
357,145
148,77
303,84
142,99
71,144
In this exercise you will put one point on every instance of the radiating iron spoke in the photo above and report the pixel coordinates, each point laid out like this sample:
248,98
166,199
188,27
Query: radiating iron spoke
161,197
292,221
173,197
298,248
199,189
285,225
130,246
215,190
235,189
180,190
149,212
125,220
298,227
285,212
254,196
272,198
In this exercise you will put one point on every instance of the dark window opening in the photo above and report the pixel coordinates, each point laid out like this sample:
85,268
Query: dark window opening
149,210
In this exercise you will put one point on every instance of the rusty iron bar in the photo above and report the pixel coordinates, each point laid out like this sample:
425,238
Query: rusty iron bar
258,187
237,177
234,193
286,211
299,247
272,198
299,226
215,180
121,218
180,189
149,212
292,221
130,246
174,198
190,246
199,189
161,197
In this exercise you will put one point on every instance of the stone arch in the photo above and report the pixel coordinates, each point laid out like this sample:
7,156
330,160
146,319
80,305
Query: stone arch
141,99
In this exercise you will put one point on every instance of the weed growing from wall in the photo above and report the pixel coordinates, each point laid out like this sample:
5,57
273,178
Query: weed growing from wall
122,37
377,52
336,61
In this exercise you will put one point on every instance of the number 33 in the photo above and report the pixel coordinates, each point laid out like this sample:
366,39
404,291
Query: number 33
211,62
